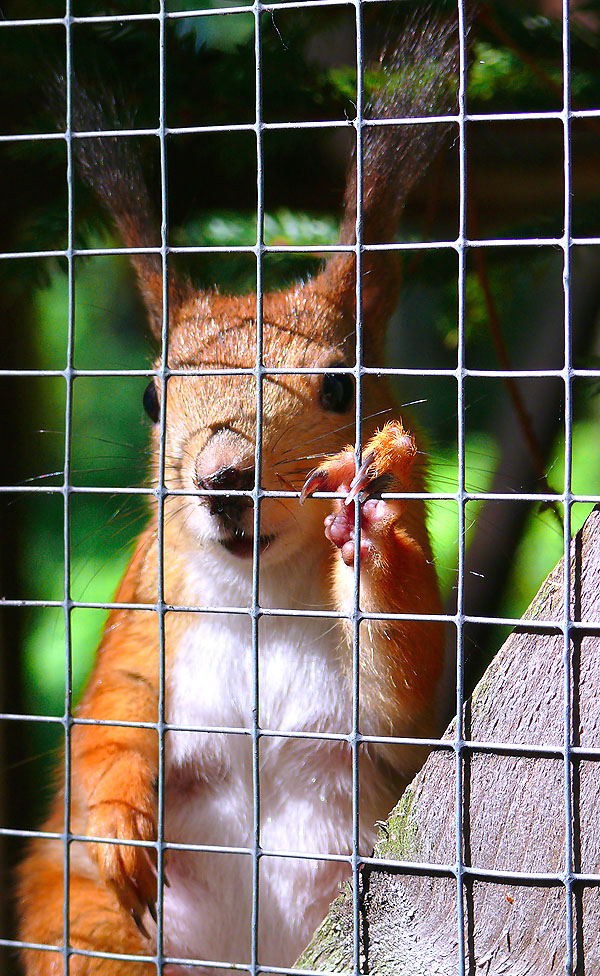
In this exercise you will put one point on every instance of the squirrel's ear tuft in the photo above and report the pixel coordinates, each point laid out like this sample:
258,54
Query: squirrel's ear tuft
415,78
112,169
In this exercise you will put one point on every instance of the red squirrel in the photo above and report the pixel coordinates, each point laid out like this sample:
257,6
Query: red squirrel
306,555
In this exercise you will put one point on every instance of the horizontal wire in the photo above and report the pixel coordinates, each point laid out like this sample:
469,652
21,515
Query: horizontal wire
124,18
470,496
283,125
317,249
520,624
491,747
399,866
558,373
173,960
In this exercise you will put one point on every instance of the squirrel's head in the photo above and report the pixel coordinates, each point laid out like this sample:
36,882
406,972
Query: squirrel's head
304,395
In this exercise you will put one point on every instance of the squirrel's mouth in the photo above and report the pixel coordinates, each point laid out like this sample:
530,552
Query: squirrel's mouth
241,544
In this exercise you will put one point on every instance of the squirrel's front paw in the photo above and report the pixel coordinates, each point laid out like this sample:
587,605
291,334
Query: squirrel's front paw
385,466
127,869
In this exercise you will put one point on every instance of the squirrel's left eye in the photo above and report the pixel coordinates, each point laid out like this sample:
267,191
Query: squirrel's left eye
337,392
151,404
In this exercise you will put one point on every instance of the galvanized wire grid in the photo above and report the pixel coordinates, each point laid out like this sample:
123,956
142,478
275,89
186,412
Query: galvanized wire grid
460,746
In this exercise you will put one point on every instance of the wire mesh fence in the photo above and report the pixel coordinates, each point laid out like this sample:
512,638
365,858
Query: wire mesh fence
350,859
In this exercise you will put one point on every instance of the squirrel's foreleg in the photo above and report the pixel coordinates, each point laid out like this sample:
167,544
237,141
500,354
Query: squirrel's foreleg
396,571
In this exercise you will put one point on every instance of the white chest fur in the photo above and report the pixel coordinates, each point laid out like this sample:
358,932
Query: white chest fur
304,785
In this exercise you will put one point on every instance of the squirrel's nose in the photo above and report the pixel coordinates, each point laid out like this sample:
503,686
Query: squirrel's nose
227,478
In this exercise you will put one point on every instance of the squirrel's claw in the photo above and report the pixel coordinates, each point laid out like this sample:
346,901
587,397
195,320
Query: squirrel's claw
386,463
151,862
140,925
385,466
333,474
361,479
316,480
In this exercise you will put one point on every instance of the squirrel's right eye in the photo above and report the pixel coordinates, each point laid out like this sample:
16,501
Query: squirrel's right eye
151,404
337,392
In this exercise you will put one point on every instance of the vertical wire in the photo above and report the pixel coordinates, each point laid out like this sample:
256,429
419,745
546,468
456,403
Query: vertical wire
68,605
568,690
459,743
356,616
255,609
162,491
